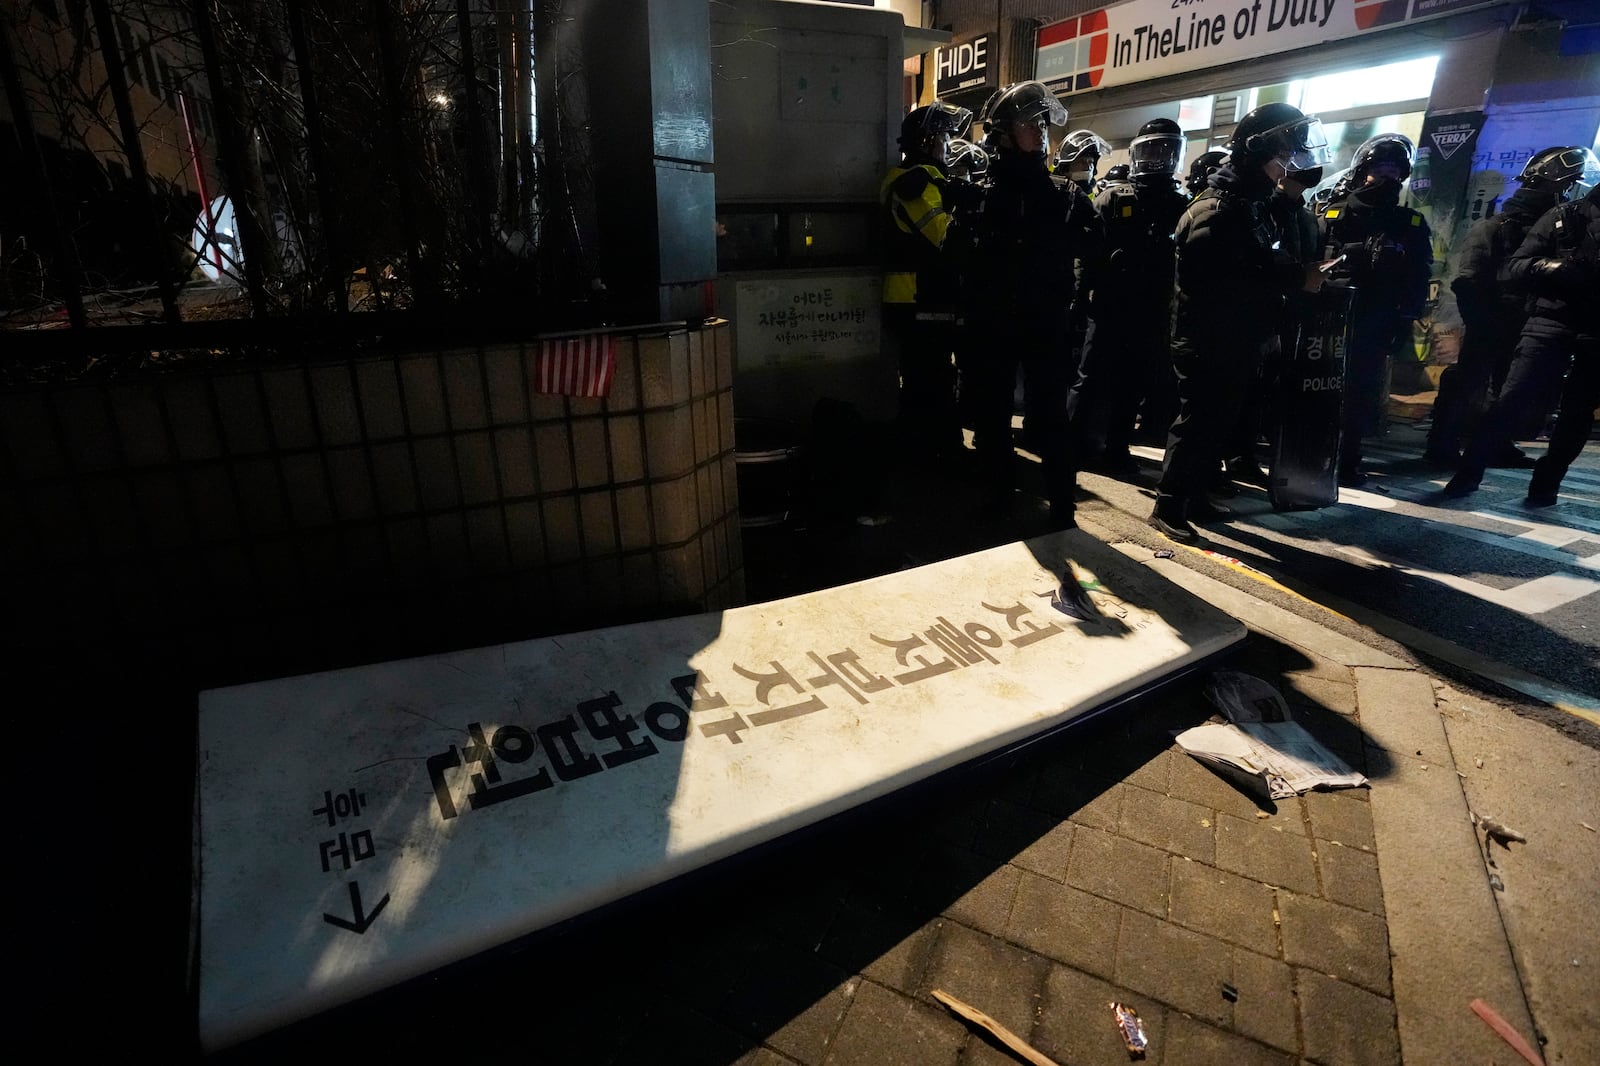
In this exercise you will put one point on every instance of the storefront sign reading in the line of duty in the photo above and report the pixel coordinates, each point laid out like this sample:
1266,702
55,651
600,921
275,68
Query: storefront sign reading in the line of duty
1146,39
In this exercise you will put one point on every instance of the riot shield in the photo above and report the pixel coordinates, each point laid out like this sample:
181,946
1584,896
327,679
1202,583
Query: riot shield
1310,404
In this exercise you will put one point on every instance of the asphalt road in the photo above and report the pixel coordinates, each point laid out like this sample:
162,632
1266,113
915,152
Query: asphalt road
1483,586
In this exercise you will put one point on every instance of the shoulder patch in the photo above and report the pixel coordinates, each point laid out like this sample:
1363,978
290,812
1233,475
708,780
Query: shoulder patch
1332,212
1416,219
1127,210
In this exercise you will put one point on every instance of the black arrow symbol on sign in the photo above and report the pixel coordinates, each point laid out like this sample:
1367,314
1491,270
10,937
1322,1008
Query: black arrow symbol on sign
360,924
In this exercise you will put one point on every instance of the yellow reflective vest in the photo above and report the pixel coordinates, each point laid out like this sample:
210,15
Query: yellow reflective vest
913,201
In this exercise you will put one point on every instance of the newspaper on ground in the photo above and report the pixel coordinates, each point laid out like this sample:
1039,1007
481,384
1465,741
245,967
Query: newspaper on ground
1261,747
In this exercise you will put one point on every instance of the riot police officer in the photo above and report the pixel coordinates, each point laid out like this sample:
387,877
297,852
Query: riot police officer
1077,161
1299,238
1128,357
1558,265
1026,236
1388,257
1078,158
918,301
1205,164
1231,287
1492,315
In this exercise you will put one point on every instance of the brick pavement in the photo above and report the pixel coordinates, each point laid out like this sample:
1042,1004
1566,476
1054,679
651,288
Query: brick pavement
1101,865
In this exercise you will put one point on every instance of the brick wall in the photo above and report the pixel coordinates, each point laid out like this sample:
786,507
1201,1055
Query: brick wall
255,520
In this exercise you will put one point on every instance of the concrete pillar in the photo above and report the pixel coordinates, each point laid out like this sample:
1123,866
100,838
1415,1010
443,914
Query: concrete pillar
647,65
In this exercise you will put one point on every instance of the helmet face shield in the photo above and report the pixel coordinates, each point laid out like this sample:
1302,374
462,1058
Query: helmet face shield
1157,153
967,160
1056,111
926,131
1587,167
1027,101
1311,147
1079,143
1393,151
945,118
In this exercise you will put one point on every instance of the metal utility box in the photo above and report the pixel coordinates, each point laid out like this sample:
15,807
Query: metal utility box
806,102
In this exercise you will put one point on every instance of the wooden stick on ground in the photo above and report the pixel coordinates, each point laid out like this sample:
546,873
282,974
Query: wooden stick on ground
1004,1035
1503,1027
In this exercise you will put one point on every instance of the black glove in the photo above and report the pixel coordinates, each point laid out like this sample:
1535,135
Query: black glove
1561,275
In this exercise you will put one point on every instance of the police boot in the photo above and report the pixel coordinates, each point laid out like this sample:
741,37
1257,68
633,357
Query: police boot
1464,483
1512,457
1543,486
1170,519
1203,510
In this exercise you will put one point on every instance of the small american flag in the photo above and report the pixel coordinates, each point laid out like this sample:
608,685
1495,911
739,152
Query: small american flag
576,366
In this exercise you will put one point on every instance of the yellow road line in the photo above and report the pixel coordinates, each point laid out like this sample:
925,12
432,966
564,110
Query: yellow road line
1261,576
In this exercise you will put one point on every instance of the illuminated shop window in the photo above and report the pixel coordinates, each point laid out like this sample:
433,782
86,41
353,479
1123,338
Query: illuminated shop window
1410,79
1195,113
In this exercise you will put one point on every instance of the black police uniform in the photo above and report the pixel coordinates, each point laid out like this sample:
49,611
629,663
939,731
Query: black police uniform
1017,293
1492,316
1231,289
1388,258
1128,356
1558,265
915,305
1297,226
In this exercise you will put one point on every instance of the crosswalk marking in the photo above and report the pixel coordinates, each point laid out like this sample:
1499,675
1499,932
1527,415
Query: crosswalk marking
1530,597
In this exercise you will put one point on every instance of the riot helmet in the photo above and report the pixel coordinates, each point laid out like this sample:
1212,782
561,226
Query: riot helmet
926,131
1028,102
1205,164
1386,149
1117,175
1568,171
968,161
1080,145
1274,130
1158,149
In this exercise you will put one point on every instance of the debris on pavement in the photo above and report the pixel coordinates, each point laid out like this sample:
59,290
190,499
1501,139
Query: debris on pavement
1262,748
1508,1034
1244,697
1026,1051
1478,762
1589,827
1166,553
1230,993
1496,831
1071,597
1132,1027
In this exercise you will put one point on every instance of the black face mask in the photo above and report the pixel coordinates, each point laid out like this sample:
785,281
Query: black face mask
1381,191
